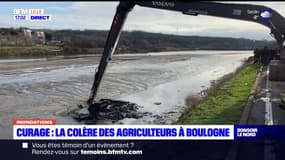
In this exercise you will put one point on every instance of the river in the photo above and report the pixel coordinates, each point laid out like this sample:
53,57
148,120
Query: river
159,82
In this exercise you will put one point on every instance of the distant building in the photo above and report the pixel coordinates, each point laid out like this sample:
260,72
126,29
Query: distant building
35,36
38,37
27,33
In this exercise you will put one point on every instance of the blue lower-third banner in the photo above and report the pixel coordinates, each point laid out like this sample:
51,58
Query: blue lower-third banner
259,132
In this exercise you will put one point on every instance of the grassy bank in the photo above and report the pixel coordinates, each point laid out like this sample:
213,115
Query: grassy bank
33,50
225,101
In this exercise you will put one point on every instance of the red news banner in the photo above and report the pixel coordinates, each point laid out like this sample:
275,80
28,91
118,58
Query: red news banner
34,122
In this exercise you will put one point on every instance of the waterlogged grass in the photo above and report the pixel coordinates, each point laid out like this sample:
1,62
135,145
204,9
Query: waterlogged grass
226,101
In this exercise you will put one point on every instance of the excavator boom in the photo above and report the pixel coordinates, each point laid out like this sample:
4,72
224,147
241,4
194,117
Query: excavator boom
247,12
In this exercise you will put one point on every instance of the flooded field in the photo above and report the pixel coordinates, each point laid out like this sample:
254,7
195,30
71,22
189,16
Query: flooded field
159,82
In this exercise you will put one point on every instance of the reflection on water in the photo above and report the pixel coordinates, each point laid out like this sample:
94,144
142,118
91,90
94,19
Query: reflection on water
159,83
166,101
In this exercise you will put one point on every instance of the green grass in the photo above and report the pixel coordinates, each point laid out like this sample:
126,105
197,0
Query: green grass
226,101
33,50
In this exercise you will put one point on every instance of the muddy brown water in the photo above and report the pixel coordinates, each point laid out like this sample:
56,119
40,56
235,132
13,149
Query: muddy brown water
159,82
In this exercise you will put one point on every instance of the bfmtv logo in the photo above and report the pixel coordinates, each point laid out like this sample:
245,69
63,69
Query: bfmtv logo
266,15
20,14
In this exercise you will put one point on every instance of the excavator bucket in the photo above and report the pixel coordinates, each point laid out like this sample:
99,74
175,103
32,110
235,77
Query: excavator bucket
108,110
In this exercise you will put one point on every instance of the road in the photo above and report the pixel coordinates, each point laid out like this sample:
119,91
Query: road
265,110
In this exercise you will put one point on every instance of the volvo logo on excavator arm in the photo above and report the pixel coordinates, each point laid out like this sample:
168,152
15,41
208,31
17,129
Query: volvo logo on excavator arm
163,4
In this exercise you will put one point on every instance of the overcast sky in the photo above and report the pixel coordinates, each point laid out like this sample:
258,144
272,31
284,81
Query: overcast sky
99,15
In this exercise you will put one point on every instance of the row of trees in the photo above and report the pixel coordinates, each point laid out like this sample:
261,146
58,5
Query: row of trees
15,40
136,41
